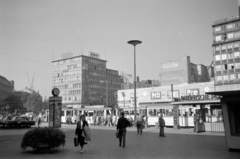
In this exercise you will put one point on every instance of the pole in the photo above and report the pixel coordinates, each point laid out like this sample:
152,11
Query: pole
135,107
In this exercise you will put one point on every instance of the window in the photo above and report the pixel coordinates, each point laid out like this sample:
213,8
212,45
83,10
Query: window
224,56
230,56
217,48
217,29
217,57
218,38
225,77
224,67
236,44
237,34
238,76
231,66
236,55
230,26
229,46
232,77
218,68
219,78
230,35
237,65
223,47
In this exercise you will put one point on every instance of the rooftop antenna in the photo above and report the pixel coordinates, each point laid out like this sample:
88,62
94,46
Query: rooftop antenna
53,55
105,55
81,48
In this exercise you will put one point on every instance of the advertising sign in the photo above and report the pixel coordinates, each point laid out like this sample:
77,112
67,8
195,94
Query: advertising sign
190,92
95,55
169,65
156,95
175,94
55,109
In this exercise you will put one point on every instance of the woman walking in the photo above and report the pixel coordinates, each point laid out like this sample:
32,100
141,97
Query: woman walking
80,130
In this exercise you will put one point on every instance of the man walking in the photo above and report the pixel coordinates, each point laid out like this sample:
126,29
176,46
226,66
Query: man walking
122,125
161,122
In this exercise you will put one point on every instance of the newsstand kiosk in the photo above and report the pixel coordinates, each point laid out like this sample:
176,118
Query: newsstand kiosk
230,103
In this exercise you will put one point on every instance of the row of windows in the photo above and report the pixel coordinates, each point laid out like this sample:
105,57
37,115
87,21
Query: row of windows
224,37
71,73
66,86
227,77
98,68
227,67
97,61
227,56
70,99
66,61
73,92
227,46
5,88
67,67
227,27
97,74
72,79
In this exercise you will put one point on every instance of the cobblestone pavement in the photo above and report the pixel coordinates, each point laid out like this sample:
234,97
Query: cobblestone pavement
178,144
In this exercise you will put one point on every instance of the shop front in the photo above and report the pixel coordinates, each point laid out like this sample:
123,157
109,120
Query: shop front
205,113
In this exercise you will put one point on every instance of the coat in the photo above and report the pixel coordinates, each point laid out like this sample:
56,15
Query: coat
161,121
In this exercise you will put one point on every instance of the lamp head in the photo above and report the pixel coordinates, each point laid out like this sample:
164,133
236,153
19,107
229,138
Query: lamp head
134,42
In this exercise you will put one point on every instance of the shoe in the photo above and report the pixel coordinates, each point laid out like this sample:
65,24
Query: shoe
123,146
81,151
120,145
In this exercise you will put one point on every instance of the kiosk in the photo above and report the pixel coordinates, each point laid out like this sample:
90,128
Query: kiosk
230,102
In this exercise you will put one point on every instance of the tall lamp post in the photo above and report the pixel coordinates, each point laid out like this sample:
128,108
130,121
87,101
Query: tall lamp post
134,43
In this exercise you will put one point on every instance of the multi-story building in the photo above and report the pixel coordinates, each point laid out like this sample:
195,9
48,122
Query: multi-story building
183,71
85,80
6,88
226,40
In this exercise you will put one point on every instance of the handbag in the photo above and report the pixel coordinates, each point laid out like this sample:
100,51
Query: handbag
117,135
76,141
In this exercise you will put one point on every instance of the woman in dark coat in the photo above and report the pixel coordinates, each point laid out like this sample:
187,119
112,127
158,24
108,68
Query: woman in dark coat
79,130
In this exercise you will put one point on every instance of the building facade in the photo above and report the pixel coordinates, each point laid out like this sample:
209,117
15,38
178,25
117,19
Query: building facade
85,80
226,42
183,71
6,88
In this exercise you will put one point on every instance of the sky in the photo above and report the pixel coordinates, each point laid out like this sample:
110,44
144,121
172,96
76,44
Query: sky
33,33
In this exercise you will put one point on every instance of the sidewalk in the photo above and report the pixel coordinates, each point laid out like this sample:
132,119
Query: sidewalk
104,145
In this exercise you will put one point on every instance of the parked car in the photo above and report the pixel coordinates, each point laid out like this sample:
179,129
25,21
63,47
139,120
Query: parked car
18,121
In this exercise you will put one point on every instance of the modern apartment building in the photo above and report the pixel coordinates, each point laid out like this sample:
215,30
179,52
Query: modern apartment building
85,80
226,41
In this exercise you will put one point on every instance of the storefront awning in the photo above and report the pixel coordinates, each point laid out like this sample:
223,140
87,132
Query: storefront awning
226,93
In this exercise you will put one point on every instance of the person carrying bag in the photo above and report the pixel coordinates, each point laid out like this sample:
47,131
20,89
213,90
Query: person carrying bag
80,132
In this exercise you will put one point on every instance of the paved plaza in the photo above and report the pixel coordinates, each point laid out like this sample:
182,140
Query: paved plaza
182,143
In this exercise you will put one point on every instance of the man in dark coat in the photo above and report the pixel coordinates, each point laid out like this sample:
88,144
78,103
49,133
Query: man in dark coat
122,125
161,122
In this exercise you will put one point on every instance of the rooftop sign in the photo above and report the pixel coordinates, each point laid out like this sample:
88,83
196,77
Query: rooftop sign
95,55
67,55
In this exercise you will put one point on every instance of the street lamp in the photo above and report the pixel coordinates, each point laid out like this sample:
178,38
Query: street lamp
134,43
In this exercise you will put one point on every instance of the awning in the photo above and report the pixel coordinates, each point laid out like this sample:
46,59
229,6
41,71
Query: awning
196,102
226,93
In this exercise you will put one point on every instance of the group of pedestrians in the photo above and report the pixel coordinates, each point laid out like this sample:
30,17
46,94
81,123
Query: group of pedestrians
121,126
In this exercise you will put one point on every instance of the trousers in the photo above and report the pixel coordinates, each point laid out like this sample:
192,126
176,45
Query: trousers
122,137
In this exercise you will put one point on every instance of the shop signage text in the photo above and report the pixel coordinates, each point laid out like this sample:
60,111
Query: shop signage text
156,95
191,92
197,98
67,55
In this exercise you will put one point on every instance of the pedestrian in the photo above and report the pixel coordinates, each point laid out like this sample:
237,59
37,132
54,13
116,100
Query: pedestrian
94,118
161,123
122,125
80,130
39,121
139,124
195,120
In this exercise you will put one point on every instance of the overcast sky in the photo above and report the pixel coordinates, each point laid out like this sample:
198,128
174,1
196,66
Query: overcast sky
31,30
